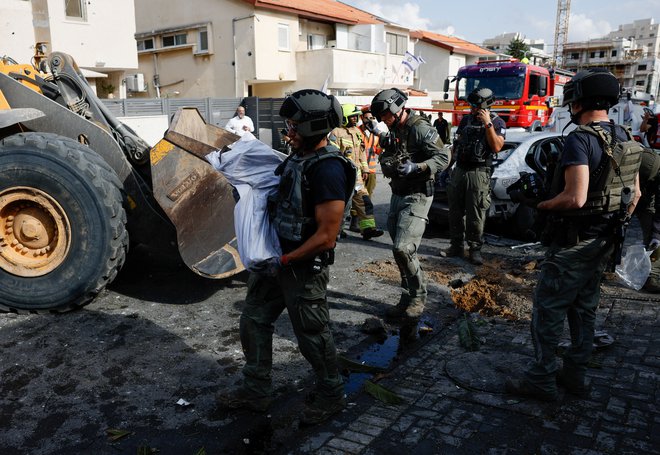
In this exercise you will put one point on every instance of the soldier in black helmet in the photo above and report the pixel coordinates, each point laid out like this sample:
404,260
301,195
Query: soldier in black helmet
412,154
595,186
316,183
479,135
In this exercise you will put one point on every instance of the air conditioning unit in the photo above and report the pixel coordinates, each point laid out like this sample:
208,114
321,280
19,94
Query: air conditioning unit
331,43
135,83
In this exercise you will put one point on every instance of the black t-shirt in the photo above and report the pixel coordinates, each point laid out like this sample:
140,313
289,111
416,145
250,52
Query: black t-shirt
585,149
327,181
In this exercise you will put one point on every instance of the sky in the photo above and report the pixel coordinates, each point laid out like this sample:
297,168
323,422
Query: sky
476,20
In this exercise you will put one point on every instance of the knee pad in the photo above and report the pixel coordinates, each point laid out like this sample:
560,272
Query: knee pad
403,258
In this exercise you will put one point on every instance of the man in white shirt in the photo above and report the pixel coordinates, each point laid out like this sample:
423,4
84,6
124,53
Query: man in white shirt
241,123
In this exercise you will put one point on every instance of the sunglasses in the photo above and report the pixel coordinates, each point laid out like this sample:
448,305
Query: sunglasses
290,126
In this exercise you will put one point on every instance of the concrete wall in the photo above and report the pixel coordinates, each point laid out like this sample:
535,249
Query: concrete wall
273,63
16,30
194,76
104,40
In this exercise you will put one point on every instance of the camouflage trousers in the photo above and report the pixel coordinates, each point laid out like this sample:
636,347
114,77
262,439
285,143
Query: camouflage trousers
303,293
468,194
406,223
568,288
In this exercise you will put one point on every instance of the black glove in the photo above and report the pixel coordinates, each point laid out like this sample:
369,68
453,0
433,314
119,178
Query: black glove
407,168
372,126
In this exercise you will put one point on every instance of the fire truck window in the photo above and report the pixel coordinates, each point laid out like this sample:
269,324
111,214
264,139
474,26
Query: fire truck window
534,85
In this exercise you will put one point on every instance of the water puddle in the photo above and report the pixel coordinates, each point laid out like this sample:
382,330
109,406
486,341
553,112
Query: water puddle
381,353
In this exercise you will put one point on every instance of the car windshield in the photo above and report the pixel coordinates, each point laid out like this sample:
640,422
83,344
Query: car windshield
504,88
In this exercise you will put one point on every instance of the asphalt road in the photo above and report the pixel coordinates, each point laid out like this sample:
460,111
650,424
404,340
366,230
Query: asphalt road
139,368
157,335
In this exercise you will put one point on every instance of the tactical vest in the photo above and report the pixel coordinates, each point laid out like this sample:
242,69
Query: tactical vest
402,149
472,148
649,167
617,169
292,204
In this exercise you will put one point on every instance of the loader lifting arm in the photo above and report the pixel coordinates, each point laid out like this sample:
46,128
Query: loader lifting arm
76,183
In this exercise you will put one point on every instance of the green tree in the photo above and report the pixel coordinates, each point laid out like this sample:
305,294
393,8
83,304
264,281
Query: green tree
517,48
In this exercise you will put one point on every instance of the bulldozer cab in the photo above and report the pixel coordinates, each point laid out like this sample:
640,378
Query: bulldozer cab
77,186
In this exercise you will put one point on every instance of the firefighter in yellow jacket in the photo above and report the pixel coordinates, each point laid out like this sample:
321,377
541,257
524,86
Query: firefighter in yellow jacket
371,146
350,140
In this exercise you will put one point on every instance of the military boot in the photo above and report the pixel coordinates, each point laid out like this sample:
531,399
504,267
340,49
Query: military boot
243,399
454,251
370,233
653,282
318,410
415,308
399,310
475,257
572,384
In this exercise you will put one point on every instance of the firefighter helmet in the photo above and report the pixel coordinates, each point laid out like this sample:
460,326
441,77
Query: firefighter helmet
391,99
481,98
597,86
349,110
315,112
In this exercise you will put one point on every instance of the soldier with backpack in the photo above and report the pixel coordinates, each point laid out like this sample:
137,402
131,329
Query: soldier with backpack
594,189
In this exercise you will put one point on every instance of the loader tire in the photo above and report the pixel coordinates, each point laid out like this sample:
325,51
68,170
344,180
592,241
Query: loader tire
63,231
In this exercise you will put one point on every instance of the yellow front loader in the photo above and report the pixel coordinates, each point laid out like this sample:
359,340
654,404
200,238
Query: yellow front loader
77,187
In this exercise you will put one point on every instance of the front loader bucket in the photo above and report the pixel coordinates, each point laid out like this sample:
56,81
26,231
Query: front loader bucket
197,198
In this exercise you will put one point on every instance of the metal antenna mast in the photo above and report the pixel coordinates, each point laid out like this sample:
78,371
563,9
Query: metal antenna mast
561,31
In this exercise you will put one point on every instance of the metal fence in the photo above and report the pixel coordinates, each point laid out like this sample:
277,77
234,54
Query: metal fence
264,112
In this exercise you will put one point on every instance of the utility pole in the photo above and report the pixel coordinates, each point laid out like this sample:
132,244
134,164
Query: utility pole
561,31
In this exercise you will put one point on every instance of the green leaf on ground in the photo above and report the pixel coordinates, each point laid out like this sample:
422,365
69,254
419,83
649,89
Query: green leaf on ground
146,450
467,335
382,394
201,451
115,434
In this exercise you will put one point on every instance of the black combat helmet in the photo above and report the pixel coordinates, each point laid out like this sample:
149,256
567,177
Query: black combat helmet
481,98
595,88
315,112
391,100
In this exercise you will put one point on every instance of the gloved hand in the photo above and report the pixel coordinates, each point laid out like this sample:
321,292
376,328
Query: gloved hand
407,168
372,127
386,140
653,245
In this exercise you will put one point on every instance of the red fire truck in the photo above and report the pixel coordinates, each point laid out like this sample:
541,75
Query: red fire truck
524,94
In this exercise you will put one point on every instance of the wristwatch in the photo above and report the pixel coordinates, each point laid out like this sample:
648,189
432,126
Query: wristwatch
489,125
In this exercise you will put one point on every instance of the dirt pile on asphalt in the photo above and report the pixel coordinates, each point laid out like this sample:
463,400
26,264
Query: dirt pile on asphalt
499,288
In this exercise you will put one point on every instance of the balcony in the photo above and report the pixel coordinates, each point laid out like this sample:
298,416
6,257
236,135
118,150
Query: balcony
348,69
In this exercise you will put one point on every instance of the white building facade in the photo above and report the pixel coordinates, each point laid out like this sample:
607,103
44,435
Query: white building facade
632,53
98,35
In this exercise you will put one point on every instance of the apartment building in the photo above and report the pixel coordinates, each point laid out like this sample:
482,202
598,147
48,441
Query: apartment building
500,44
98,35
632,53
266,48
